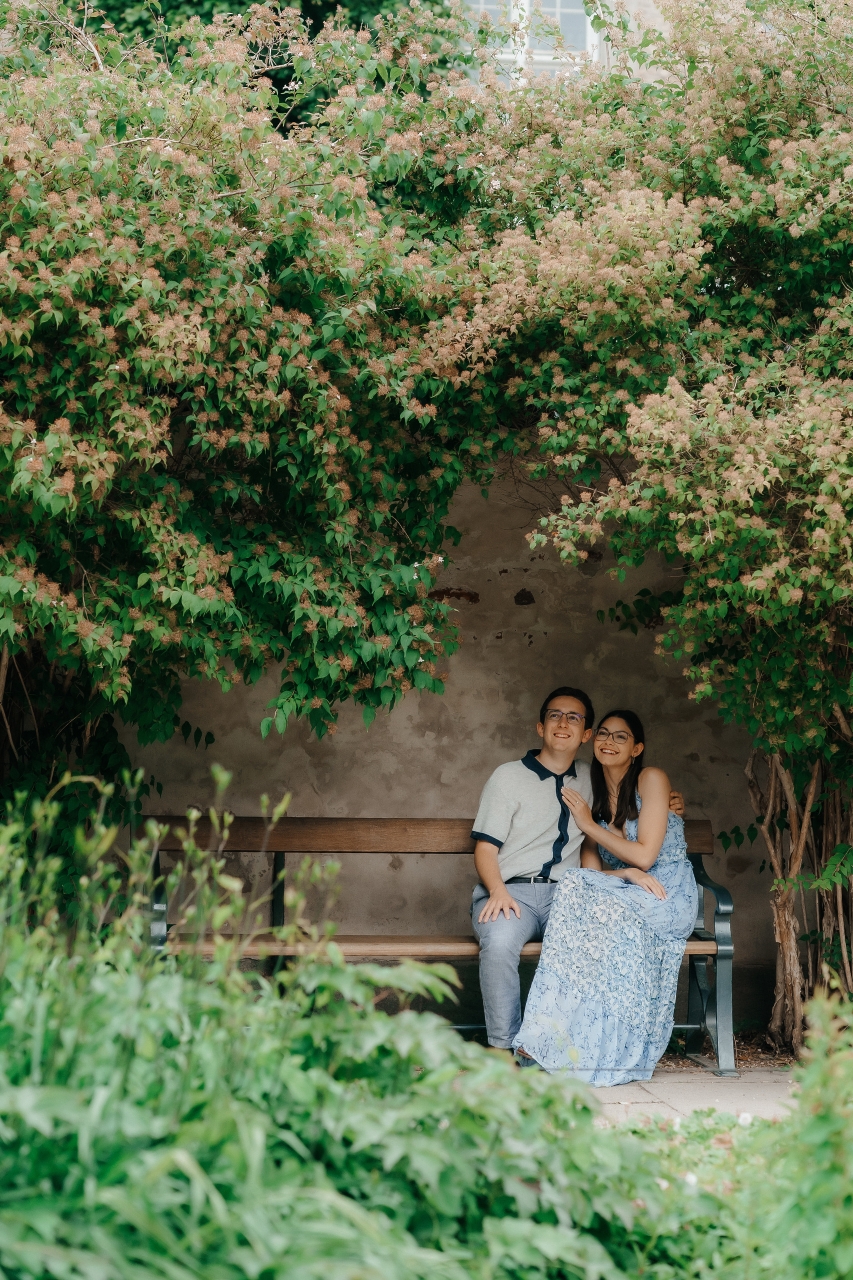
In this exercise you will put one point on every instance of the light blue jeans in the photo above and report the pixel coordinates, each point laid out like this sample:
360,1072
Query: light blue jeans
501,941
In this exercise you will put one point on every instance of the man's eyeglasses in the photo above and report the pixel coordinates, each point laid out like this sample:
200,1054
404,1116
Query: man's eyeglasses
571,717
618,735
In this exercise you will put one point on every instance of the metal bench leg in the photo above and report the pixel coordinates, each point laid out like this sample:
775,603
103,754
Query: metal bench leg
697,1003
718,1017
158,929
277,905
720,1020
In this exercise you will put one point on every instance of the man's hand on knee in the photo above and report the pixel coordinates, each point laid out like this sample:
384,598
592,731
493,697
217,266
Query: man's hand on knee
500,902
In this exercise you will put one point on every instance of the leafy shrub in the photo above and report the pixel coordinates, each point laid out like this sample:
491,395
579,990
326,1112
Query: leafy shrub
805,1222
169,1117
198,474
774,1198
166,1117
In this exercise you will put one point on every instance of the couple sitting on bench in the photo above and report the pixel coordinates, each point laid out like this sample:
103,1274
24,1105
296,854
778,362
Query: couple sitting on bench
592,860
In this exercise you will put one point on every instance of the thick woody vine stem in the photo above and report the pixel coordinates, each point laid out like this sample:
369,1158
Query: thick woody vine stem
786,852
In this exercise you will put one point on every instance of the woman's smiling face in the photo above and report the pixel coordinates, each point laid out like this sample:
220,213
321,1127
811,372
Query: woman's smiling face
614,744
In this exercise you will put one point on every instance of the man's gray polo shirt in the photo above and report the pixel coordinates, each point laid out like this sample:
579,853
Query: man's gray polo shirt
524,816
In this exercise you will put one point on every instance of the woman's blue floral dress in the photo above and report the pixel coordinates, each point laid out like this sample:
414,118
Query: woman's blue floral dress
603,997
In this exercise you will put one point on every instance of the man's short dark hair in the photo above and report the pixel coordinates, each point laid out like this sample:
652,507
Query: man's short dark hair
566,692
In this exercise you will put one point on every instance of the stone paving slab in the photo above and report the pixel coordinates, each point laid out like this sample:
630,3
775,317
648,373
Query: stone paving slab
758,1091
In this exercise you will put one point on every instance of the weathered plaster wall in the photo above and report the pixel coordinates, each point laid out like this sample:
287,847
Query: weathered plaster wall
432,755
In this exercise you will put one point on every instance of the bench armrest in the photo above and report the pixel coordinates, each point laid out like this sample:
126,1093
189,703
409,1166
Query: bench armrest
723,908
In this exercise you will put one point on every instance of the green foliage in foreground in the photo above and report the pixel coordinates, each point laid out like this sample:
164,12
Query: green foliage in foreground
173,1118
780,1192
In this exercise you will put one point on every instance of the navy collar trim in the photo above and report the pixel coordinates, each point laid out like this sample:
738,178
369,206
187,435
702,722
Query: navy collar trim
535,766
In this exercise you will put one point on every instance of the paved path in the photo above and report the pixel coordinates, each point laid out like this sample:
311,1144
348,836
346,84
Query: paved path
671,1092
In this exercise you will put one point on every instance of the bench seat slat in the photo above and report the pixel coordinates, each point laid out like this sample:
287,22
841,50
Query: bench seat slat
427,947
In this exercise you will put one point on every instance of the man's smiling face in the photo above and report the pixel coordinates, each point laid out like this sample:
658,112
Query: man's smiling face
564,729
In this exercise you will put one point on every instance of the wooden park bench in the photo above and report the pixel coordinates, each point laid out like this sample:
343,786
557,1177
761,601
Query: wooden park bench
709,1005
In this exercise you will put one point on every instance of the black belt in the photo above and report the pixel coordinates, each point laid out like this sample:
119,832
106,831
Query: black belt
530,880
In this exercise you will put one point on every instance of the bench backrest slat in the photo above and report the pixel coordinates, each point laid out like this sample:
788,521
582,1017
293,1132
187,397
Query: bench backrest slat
373,835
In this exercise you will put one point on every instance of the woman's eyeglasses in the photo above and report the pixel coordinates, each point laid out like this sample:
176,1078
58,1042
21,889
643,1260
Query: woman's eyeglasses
619,736
571,717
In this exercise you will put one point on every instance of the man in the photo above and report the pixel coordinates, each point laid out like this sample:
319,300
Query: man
526,839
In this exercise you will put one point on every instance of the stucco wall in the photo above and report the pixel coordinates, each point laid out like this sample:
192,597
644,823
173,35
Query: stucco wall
432,755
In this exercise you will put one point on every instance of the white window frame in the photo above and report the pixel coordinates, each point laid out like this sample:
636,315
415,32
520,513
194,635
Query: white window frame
541,59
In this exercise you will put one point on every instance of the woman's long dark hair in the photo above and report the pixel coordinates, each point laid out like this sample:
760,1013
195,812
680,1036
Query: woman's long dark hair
626,804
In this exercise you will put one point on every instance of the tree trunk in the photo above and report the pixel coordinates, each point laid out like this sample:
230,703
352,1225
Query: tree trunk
786,843
786,1024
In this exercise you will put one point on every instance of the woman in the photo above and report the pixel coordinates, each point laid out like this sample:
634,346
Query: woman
602,1001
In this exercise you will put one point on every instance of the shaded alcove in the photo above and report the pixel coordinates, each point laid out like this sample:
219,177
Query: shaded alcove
527,623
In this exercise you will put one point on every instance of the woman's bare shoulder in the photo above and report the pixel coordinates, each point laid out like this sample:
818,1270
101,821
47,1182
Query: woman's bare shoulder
652,781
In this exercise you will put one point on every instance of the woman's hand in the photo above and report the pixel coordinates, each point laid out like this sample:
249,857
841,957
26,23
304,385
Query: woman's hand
642,878
580,811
